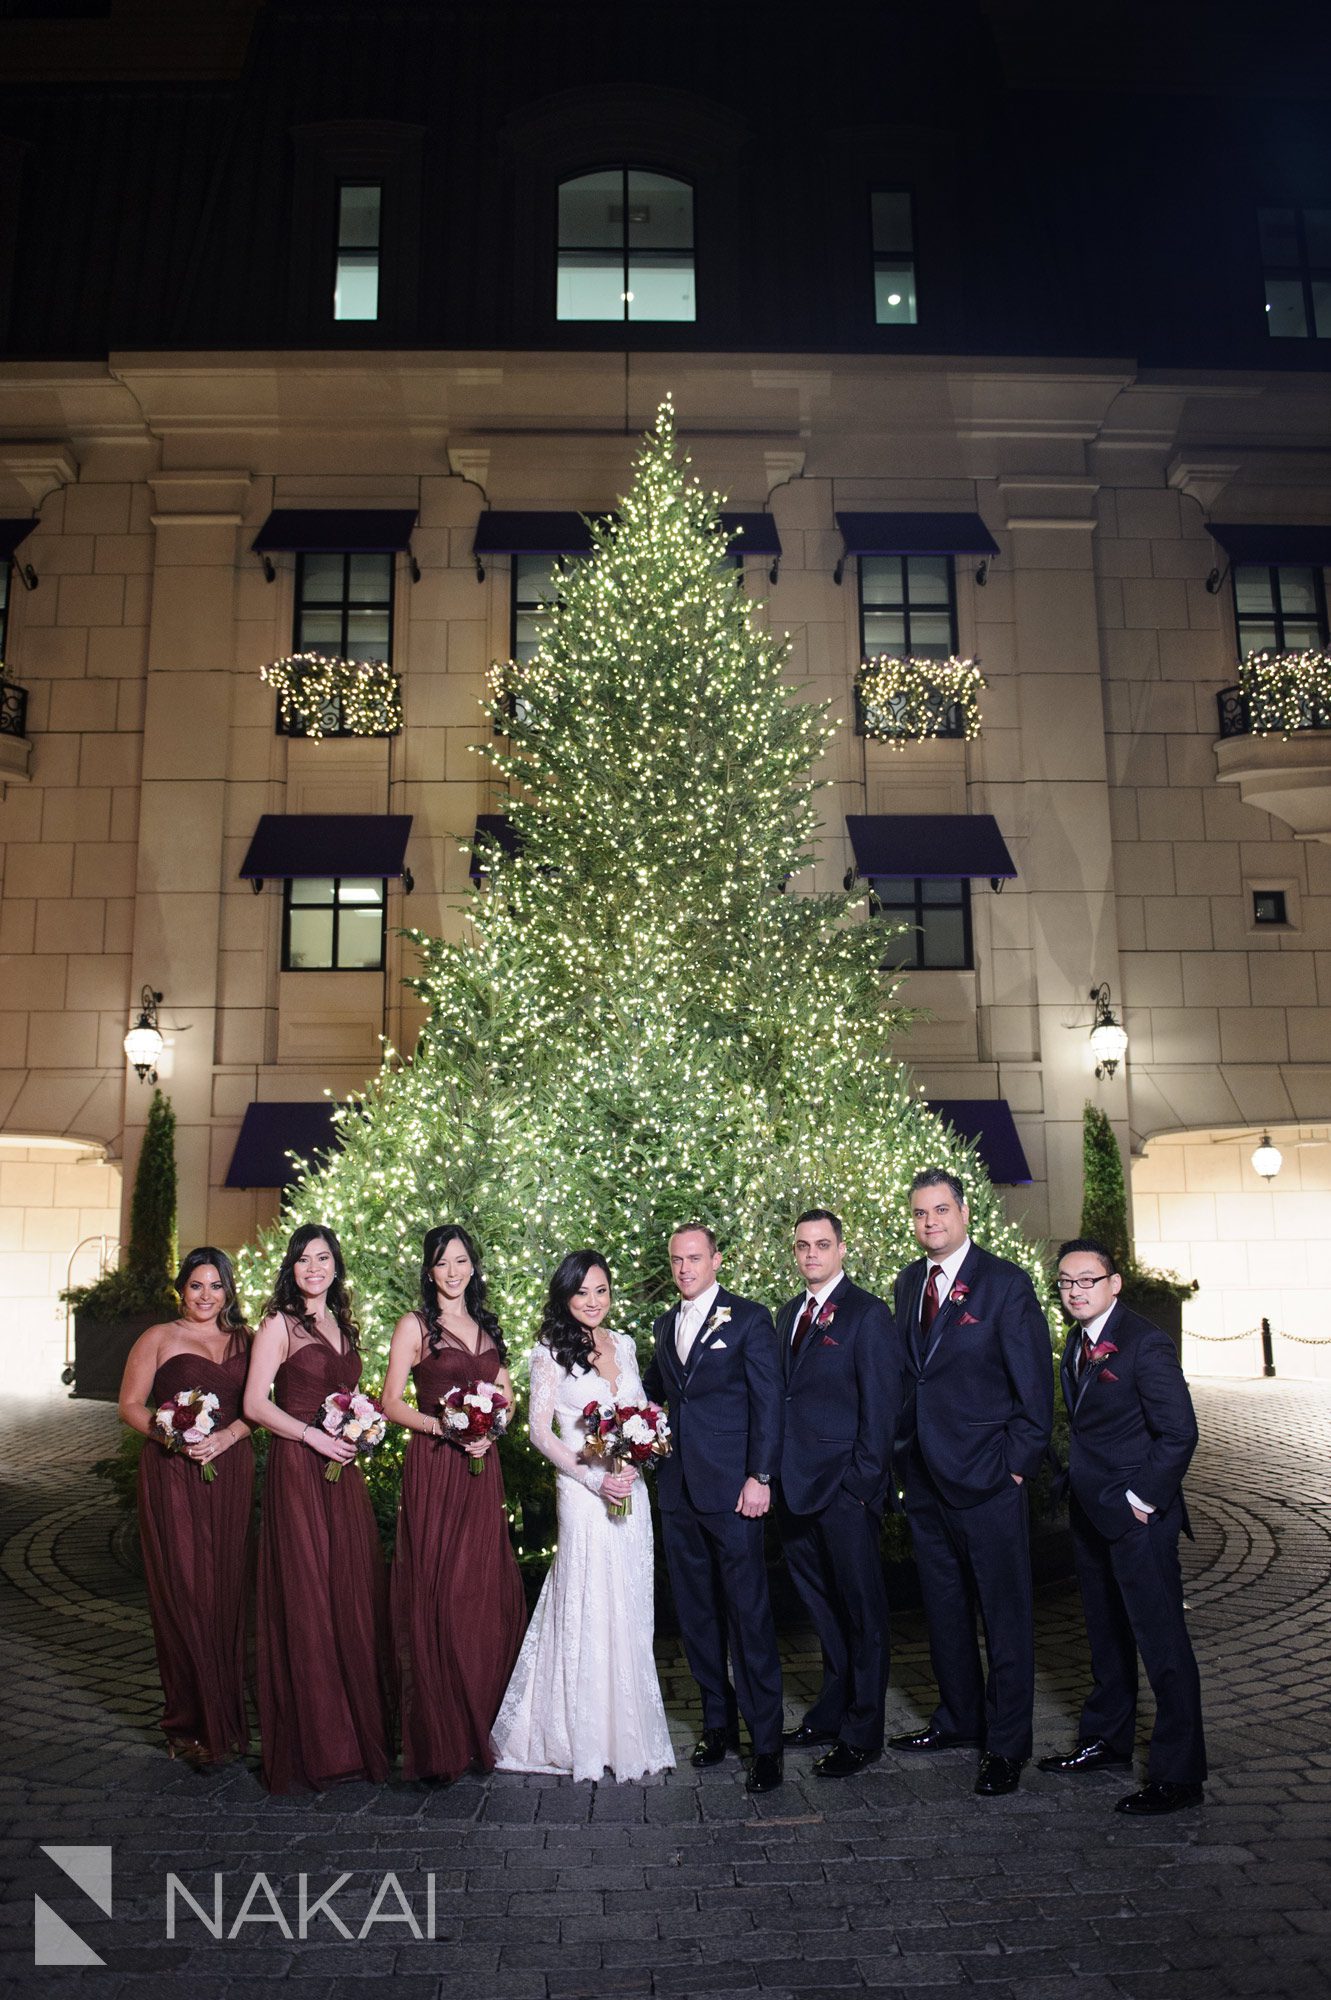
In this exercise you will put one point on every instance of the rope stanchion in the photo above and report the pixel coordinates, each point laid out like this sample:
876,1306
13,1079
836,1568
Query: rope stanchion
1268,1335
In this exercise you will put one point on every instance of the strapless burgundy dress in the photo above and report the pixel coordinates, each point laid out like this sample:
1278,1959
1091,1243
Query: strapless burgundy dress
322,1615
458,1607
198,1564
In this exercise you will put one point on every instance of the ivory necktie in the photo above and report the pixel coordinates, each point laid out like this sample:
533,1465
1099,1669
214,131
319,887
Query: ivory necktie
686,1333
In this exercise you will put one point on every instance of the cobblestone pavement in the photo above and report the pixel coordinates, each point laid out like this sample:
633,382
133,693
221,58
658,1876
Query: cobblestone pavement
896,1882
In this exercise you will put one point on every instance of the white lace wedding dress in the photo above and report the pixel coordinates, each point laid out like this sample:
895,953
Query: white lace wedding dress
584,1696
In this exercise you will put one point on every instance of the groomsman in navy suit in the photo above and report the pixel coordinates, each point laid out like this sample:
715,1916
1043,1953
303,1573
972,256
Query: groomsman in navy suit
978,1415
1133,1434
842,1363
716,1366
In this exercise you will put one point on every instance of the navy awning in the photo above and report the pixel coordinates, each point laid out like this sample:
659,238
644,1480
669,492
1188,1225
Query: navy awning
752,534
1269,542
915,535
499,828
326,844
11,534
500,533
270,1132
929,846
337,530
987,1122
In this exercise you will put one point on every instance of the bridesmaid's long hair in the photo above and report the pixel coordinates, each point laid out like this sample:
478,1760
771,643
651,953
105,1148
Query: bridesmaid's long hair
473,1298
231,1320
567,1338
289,1300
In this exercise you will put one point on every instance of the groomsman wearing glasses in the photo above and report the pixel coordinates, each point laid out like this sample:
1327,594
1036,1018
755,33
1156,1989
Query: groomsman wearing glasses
841,1361
1133,1434
978,1413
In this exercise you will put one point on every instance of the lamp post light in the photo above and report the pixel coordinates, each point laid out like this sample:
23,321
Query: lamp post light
144,1044
1109,1038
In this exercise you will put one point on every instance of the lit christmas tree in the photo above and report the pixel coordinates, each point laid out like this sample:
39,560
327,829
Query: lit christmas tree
644,1026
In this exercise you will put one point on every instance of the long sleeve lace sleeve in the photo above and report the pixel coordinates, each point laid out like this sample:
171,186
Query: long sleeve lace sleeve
544,1386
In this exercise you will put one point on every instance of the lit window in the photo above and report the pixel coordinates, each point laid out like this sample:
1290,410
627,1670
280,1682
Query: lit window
356,288
907,607
535,592
344,605
1279,608
1268,907
333,924
625,247
893,260
1296,261
939,915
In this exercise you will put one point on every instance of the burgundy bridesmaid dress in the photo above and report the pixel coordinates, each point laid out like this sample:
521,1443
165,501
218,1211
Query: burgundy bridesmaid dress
458,1607
322,1621
198,1564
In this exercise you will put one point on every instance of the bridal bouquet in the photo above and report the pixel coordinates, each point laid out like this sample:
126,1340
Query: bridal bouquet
358,1418
625,1434
188,1419
475,1410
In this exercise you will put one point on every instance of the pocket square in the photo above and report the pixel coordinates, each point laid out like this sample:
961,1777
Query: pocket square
827,1341
1107,1375
718,1347
968,1319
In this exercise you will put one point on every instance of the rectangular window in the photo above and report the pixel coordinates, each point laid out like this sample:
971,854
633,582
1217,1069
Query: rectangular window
344,605
1268,907
333,924
1279,608
940,916
908,607
359,222
534,591
893,260
6,574
1296,262
625,248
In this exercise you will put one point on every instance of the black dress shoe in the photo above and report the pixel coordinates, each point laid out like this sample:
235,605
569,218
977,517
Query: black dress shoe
932,1739
998,1775
843,1760
1159,1796
1093,1755
804,1737
766,1773
712,1746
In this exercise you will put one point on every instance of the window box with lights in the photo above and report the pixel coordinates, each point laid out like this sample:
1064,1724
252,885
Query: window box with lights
1275,738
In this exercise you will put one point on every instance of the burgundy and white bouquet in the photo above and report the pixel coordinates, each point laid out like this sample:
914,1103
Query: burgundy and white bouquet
188,1419
625,1434
474,1410
350,1414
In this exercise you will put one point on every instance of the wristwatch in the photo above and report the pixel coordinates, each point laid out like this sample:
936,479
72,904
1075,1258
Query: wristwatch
763,1478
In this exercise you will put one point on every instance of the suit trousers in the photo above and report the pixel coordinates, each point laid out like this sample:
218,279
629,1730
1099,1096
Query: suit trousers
969,1556
837,1567
1132,1595
718,1575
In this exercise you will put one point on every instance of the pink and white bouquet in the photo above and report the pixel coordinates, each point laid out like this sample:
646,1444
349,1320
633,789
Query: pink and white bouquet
626,1434
350,1414
474,1410
188,1419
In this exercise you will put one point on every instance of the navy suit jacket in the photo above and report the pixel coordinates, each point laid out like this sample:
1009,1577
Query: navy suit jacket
1131,1422
843,1399
983,1378
725,1407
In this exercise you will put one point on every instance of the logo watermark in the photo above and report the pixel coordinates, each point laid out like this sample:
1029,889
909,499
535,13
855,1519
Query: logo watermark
54,1942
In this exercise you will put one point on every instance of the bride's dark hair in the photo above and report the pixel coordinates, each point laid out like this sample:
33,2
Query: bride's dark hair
288,1298
473,1298
567,1338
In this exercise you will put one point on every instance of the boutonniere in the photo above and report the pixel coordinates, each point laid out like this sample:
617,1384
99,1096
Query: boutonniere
1101,1352
959,1295
826,1315
720,1318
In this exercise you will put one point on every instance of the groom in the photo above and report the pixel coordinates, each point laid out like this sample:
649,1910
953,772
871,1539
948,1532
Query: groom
717,1365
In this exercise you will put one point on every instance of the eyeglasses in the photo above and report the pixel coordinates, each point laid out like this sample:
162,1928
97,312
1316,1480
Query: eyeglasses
1079,1284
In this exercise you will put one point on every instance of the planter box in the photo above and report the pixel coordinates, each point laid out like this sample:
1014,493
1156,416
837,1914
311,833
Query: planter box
101,1349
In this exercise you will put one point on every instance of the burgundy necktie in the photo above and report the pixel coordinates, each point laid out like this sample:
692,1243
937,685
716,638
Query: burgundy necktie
931,1300
805,1322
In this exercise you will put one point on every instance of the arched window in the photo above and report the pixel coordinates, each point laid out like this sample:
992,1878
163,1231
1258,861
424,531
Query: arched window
625,247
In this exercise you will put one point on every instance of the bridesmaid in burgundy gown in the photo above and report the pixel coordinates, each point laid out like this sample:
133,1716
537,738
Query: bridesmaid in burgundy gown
458,1606
197,1546
322,1621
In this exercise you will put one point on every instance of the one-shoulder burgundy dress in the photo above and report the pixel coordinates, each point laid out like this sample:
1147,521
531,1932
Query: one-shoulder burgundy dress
458,1606
198,1564
322,1615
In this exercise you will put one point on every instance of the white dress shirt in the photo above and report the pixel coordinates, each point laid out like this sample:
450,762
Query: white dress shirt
1091,1331
820,1298
950,1264
693,1316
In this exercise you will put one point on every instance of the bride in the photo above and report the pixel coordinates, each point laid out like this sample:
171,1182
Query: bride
584,1695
